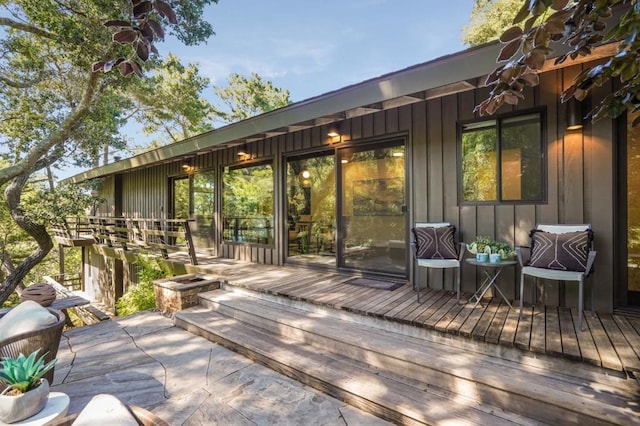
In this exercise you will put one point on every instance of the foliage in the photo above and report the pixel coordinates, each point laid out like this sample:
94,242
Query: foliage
24,373
55,108
488,245
489,19
170,102
246,97
581,26
141,297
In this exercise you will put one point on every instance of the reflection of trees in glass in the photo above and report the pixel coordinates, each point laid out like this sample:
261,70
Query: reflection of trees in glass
479,174
311,196
518,146
203,207
633,202
181,198
247,204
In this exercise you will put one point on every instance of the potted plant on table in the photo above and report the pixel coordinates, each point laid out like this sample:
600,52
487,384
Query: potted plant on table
26,390
490,246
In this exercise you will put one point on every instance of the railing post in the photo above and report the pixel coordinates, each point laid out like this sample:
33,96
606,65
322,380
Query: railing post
158,226
189,241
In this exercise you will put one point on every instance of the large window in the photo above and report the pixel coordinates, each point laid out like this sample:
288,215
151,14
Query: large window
203,209
502,160
247,204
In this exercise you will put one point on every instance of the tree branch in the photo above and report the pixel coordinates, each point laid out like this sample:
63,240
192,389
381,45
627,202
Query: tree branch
58,137
7,22
22,85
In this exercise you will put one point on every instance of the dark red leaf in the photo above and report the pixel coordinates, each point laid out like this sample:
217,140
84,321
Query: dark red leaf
136,68
511,34
529,24
165,10
97,66
142,50
491,78
117,23
157,28
146,31
153,49
559,4
541,38
535,59
530,79
555,26
125,36
522,13
509,50
125,68
141,9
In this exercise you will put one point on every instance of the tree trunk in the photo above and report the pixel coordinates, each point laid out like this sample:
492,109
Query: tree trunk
8,268
38,232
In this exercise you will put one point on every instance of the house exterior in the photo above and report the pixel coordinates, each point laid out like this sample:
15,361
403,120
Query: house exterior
337,181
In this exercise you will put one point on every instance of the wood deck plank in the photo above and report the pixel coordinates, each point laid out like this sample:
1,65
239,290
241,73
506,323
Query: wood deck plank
481,328
553,338
538,330
509,329
391,302
453,312
630,333
627,356
523,333
408,315
449,303
588,349
456,324
434,300
570,346
324,286
603,344
472,320
497,324
366,304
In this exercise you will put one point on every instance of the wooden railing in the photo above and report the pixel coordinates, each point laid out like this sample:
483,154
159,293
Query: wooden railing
164,235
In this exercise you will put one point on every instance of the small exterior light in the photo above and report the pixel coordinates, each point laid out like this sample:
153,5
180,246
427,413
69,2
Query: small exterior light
242,151
306,174
574,114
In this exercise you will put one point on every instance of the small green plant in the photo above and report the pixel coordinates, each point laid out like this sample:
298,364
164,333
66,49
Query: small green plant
488,245
141,297
24,373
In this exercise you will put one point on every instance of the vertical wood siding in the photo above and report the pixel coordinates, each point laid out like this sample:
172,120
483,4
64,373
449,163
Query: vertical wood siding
579,187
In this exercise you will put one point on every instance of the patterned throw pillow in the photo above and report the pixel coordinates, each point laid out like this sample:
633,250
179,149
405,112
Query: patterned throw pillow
436,243
565,252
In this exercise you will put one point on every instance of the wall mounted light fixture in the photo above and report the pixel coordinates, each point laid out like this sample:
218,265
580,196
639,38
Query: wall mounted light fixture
334,130
574,114
242,150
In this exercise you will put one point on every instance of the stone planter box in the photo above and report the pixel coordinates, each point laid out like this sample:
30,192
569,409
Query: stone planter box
181,292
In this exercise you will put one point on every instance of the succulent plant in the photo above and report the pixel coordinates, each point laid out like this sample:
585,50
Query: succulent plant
24,373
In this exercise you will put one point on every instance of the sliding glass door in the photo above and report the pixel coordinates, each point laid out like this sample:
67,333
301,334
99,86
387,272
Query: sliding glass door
372,208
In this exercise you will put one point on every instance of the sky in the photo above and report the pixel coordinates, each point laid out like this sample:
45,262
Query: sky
314,47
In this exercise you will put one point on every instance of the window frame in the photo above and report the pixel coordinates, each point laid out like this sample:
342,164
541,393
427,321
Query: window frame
499,119
244,165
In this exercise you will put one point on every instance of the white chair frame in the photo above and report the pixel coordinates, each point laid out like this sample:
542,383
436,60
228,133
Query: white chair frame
436,263
552,274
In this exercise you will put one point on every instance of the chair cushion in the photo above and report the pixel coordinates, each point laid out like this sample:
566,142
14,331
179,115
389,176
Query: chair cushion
565,252
27,316
436,243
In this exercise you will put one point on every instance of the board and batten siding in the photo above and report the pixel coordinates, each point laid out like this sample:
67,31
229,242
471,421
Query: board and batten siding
579,187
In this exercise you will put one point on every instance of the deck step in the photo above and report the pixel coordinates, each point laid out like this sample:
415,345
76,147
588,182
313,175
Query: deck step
402,378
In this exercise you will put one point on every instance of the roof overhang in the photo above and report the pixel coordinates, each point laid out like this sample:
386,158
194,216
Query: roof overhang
443,76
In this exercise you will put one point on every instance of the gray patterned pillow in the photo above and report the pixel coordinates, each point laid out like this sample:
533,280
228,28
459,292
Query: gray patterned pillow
565,252
436,243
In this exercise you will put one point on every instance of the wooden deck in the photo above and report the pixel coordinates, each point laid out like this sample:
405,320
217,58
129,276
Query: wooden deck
608,341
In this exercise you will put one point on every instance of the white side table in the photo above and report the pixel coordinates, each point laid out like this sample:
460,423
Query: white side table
56,408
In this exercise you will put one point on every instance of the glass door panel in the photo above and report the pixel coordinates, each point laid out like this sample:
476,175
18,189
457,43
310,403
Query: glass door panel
373,220
311,200
203,229
633,212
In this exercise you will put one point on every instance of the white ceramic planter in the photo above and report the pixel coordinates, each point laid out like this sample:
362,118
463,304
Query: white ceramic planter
16,408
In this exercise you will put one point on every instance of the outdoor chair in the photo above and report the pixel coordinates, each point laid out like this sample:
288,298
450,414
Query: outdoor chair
30,328
434,246
559,252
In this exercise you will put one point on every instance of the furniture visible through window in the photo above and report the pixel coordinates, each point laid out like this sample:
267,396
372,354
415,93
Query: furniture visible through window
502,160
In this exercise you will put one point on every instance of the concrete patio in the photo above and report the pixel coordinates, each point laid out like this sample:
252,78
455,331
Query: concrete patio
186,380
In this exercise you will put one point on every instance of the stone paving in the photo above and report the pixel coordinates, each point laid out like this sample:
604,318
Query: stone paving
144,360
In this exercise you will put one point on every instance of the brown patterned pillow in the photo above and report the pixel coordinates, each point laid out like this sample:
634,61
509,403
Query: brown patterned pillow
436,243
565,252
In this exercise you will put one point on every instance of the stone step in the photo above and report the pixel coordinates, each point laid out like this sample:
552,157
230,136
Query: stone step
521,389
